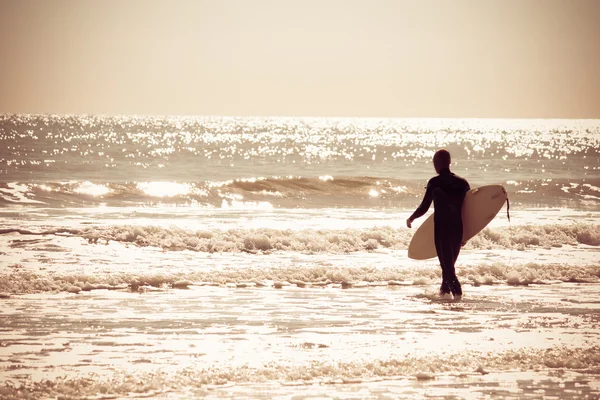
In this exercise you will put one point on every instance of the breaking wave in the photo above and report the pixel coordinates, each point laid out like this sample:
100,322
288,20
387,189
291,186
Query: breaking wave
288,191
278,191
320,240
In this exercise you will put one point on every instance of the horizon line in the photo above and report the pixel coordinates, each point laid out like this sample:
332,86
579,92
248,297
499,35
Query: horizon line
141,115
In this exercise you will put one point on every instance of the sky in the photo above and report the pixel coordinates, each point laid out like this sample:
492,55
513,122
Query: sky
336,58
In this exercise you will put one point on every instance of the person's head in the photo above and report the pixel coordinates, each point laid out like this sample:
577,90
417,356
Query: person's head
441,160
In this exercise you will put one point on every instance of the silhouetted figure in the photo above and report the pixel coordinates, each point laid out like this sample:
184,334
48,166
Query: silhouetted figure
447,191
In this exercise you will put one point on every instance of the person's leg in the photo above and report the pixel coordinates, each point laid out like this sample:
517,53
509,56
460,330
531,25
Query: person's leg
445,287
448,248
448,238
454,284
440,200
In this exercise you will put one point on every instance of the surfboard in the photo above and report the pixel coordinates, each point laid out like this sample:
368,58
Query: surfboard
479,208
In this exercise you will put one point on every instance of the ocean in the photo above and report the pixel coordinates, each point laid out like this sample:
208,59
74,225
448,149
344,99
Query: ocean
238,257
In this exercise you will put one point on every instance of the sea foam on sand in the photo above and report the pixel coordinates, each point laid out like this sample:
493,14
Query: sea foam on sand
209,339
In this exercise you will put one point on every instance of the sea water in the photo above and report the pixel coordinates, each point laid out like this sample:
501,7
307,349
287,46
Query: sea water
188,257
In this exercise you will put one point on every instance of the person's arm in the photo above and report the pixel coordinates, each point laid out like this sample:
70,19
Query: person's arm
422,209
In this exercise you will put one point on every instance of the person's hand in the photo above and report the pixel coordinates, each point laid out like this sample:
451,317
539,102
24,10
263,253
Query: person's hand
409,223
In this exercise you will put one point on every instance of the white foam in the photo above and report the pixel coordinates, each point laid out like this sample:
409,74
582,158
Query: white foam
592,187
264,275
345,240
122,383
18,192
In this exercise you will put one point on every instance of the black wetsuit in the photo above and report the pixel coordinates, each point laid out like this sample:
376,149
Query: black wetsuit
447,191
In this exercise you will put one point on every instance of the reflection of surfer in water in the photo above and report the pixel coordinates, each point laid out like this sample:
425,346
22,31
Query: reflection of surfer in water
447,191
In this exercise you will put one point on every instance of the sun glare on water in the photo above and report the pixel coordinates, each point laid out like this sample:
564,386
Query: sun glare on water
92,189
165,189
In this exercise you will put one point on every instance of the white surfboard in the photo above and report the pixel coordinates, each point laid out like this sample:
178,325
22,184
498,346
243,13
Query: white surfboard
479,208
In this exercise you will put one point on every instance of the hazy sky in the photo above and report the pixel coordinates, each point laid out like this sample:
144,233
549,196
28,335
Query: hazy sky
377,58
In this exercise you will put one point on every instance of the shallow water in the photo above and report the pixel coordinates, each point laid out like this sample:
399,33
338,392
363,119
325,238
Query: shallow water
267,258
219,341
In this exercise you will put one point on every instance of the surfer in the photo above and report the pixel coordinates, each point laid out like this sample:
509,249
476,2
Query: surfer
447,191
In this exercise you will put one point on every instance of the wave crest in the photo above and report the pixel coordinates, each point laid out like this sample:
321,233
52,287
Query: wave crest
285,191
321,240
